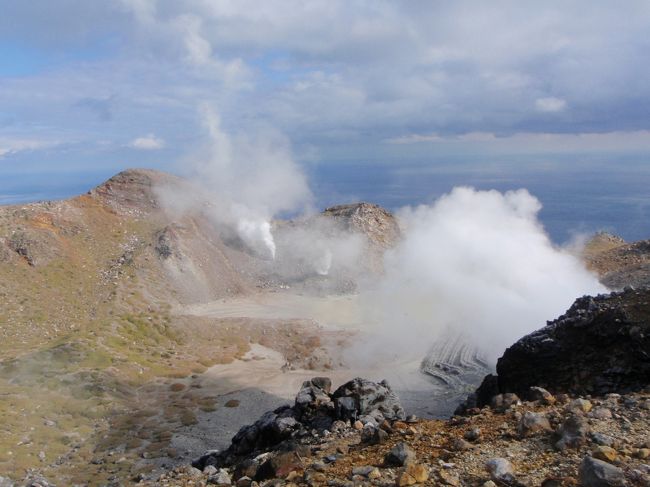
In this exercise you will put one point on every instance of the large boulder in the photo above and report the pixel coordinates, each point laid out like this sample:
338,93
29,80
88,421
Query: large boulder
315,408
600,345
361,397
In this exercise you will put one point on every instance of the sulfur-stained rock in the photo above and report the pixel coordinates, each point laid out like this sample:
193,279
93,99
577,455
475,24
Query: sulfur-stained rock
605,453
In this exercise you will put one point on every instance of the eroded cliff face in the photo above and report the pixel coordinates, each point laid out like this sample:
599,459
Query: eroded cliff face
600,345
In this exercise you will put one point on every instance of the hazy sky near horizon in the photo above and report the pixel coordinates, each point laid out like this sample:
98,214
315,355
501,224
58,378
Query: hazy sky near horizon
100,86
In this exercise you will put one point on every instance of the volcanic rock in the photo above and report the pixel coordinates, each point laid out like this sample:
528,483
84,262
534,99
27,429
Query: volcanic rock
414,473
532,423
573,432
377,224
134,190
400,455
600,345
314,409
500,470
604,453
361,397
618,263
596,473
542,395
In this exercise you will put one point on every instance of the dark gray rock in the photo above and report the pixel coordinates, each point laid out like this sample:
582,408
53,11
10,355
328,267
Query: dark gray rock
373,435
603,440
360,397
596,473
314,404
600,345
400,455
315,410
473,435
573,432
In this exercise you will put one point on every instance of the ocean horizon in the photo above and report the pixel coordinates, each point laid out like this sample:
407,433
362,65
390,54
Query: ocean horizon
578,198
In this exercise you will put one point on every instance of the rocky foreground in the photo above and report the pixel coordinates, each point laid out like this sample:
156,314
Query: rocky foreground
542,440
588,425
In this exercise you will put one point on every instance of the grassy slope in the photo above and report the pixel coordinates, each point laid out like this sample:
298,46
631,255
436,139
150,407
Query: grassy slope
85,359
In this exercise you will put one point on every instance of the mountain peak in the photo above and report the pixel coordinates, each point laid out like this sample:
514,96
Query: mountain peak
133,190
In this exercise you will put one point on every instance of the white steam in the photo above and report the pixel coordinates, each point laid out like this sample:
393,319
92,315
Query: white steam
257,235
249,179
323,263
477,263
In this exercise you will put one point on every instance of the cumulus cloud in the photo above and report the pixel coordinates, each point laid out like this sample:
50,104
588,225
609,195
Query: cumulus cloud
148,142
550,104
477,264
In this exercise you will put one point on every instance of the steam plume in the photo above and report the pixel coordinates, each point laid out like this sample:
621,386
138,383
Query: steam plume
249,179
477,263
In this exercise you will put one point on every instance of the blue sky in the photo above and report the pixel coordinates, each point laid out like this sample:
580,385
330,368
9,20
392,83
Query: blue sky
90,88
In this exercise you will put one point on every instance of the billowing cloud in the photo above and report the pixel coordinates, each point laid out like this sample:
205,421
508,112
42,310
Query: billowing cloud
476,264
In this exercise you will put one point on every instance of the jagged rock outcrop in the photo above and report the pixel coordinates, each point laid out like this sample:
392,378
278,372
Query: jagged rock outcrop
315,410
362,399
377,224
600,345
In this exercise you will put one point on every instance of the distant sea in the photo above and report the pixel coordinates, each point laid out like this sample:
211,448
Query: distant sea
577,197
